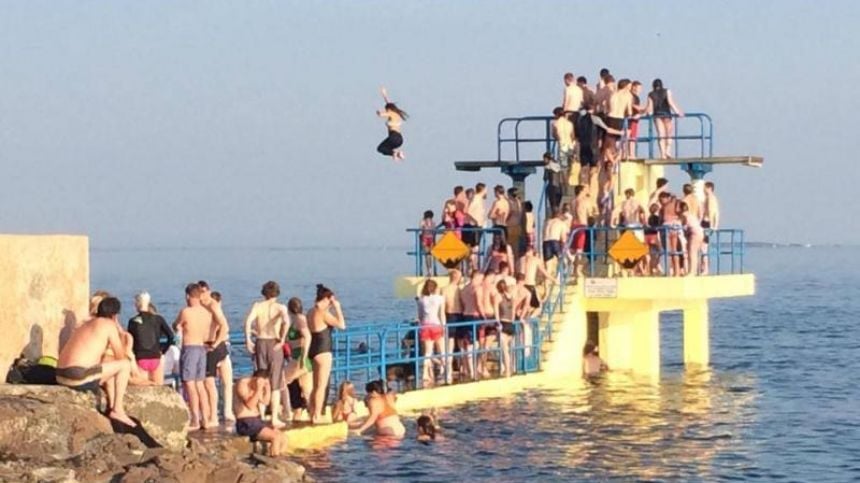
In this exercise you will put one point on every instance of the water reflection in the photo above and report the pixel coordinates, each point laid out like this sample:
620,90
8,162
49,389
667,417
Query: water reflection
689,426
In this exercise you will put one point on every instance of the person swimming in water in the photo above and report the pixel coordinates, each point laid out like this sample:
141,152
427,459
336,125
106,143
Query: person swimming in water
394,117
592,364
382,415
426,429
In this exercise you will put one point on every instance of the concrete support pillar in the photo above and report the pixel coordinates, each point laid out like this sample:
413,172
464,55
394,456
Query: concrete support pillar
697,351
630,339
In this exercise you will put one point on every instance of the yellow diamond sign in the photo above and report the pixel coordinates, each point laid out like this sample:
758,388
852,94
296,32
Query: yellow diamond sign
450,251
628,250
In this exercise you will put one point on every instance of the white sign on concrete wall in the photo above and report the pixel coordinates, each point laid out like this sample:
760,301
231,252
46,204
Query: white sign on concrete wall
601,288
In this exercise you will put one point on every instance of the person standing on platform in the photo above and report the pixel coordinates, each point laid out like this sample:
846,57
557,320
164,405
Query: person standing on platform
500,210
194,323
265,332
325,316
147,328
711,221
553,178
515,221
662,106
476,218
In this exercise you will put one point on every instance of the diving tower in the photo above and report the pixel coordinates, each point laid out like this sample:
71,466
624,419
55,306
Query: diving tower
620,314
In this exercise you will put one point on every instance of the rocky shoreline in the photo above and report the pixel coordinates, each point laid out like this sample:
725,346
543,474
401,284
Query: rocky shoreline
54,434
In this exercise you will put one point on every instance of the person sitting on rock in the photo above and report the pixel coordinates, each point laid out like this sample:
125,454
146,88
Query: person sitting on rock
251,393
80,365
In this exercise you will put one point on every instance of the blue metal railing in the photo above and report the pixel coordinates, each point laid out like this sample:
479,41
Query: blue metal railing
547,140
723,244
703,140
391,351
421,254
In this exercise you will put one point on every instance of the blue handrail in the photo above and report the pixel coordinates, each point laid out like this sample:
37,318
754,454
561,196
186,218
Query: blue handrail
391,352
724,243
705,136
516,140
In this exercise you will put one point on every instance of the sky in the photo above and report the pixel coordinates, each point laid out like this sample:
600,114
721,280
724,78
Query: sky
164,123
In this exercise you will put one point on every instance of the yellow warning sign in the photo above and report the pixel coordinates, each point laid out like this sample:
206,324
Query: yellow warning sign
450,251
628,250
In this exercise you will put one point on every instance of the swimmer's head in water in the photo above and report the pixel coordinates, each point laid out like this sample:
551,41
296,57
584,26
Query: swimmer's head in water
426,427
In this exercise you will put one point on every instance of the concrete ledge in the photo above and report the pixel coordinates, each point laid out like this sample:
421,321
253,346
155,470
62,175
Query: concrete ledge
673,293
309,436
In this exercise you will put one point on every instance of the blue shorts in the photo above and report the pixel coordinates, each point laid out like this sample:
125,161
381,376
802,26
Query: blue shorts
192,363
250,427
551,248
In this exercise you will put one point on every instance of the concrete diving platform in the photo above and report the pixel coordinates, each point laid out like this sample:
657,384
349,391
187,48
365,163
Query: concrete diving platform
623,314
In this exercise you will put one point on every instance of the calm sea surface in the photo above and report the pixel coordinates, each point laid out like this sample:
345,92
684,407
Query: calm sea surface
781,401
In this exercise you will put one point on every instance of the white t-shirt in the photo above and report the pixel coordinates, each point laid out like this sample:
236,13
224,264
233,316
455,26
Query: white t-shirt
429,308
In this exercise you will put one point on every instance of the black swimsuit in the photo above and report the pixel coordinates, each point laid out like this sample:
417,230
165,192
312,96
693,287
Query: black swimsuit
320,343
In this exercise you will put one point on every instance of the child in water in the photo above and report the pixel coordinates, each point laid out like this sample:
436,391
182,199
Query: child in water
428,429
428,239
344,408
592,364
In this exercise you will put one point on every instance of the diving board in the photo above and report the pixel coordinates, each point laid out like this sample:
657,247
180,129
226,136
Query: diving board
751,161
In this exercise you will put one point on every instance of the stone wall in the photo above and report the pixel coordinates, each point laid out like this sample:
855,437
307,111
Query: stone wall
44,289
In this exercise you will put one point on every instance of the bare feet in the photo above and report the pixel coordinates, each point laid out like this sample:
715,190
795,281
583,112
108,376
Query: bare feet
211,425
122,417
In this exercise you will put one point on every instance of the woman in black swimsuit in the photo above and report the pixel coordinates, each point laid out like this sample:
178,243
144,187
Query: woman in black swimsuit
325,315
662,107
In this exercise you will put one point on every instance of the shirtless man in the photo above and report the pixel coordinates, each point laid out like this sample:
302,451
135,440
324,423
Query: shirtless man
661,186
500,210
470,297
638,110
251,394
620,107
460,199
571,104
532,265
489,327
476,218
80,364
270,331
555,236
674,231
692,202
515,221
582,207
711,221
632,213
571,101
587,94
194,323
217,357
453,315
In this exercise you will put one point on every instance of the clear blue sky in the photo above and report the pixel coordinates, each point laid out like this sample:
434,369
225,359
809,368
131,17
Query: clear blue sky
252,123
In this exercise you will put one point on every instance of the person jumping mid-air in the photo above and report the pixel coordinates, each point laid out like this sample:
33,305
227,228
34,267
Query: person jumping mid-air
394,117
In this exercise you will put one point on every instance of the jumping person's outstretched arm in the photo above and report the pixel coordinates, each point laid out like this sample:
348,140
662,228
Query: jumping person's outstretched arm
384,93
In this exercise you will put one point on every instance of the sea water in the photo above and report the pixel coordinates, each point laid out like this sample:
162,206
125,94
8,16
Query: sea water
779,403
